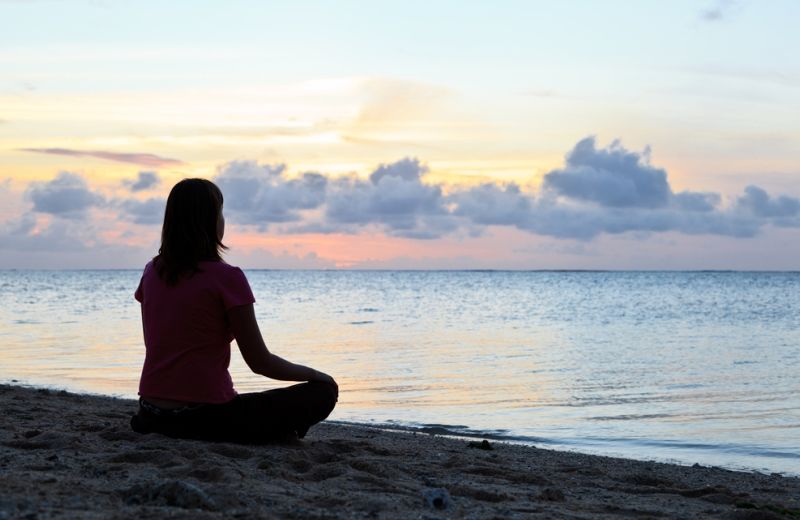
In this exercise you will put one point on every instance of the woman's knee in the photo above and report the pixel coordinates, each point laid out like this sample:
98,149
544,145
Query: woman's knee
325,394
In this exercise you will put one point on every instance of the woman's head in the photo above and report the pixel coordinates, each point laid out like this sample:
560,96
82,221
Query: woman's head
193,228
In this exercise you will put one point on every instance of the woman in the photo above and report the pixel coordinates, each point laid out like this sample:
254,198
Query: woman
193,305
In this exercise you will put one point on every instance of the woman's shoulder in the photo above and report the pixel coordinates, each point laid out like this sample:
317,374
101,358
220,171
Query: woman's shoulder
217,265
149,267
220,268
230,281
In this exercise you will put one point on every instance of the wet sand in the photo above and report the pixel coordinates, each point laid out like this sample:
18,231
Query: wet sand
64,455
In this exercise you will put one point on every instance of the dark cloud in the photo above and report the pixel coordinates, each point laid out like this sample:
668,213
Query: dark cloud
612,176
264,194
142,159
144,181
761,204
394,198
781,211
67,196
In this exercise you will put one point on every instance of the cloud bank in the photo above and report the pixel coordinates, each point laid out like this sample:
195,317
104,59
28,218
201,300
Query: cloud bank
597,191
609,190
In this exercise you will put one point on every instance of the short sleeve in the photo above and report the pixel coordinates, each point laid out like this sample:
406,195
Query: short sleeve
138,294
235,289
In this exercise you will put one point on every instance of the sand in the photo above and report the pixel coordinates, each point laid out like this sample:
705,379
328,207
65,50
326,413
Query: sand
64,455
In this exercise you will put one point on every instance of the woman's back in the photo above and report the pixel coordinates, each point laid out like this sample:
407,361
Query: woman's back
187,334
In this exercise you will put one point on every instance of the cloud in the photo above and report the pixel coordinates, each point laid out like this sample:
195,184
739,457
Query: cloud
265,259
493,205
394,198
25,234
66,196
758,201
36,241
720,10
612,177
598,191
264,194
588,223
696,201
144,181
781,211
142,159
395,103
147,212
613,190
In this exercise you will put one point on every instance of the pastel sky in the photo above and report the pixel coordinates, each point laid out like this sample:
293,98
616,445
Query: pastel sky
492,135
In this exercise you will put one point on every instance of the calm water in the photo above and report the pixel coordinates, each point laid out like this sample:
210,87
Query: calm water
688,367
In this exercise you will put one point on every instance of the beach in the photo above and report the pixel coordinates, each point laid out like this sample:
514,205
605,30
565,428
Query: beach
66,455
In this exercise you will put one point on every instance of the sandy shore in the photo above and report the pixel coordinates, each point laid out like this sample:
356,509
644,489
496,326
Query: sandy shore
67,455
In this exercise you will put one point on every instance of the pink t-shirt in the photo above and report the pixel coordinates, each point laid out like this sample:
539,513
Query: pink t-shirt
186,333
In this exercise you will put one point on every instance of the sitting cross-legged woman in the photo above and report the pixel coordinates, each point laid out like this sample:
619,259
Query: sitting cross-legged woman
193,304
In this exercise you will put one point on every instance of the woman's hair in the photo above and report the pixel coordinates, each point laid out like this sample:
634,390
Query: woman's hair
189,234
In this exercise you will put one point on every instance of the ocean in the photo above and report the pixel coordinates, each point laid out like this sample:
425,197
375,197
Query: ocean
686,367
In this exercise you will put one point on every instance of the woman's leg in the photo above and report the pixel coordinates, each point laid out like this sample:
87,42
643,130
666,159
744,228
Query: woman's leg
274,414
250,418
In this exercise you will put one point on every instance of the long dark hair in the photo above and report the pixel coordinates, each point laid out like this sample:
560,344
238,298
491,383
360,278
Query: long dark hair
189,234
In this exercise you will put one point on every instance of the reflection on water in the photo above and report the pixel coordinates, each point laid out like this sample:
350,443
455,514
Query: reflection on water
679,366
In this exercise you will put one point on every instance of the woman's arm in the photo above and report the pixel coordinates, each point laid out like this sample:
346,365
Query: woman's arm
255,353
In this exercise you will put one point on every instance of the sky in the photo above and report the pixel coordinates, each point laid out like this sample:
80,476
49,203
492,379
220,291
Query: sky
406,135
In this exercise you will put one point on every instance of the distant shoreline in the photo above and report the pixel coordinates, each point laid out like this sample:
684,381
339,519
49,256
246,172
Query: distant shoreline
346,270
82,459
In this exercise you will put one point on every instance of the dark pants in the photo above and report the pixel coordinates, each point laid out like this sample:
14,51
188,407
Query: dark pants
249,418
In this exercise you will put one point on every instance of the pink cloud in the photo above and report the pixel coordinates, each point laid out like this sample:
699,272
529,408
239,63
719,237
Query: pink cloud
142,159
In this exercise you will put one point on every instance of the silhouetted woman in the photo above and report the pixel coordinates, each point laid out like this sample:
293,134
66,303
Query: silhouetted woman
193,305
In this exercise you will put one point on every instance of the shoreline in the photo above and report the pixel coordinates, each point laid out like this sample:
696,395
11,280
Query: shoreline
66,455
557,445
468,434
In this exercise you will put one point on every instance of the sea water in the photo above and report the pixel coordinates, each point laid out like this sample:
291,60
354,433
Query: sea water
688,367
